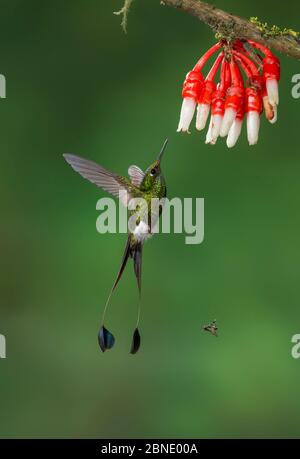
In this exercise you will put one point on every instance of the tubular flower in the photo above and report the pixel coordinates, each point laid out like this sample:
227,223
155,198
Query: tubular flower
230,99
205,97
190,92
234,98
236,128
218,101
253,109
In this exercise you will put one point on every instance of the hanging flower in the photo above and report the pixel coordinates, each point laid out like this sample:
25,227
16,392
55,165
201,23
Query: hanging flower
231,100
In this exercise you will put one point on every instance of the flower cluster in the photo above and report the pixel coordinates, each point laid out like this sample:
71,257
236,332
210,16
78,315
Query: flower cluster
235,97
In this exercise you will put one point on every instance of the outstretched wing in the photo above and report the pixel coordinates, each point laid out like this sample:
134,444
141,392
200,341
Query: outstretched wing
114,184
136,175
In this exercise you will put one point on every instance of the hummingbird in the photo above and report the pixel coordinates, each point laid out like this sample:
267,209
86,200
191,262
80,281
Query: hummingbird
147,185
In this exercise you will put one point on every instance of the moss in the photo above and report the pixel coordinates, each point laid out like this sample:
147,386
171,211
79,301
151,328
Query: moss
225,32
273,31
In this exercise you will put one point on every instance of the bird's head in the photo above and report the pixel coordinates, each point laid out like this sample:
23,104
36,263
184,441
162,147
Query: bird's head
153,174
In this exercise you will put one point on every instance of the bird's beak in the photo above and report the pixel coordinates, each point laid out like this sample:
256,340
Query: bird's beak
162,150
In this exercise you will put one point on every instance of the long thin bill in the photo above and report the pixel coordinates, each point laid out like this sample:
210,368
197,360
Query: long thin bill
162,150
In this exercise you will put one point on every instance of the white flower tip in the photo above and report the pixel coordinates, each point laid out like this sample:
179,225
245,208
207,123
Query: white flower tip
252,143
253,123
270,110
186,114
184,131
216,126
228,119
272,91
202,115
274,119
234,133
209,139
211,142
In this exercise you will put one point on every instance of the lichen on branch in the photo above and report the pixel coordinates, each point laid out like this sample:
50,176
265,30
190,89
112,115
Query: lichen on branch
228,25
274,30
285,41
124,11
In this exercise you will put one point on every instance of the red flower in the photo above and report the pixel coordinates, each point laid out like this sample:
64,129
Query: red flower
230,99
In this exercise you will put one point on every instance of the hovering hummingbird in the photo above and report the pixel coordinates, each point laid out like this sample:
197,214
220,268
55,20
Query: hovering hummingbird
147,185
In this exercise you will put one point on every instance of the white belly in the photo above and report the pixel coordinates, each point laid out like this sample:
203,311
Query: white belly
142,232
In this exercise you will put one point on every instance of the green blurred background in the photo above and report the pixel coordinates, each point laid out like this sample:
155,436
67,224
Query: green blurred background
76,83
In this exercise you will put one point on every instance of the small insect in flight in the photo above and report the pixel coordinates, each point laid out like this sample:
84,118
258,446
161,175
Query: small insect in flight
147,185
211,328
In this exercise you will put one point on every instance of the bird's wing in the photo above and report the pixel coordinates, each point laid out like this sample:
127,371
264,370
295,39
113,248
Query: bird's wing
136,175
118,186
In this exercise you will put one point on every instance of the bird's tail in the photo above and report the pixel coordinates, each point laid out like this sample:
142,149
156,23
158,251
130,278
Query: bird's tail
136,254
106,339
134,251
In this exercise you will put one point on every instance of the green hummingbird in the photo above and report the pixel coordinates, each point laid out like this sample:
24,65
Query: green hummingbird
146,185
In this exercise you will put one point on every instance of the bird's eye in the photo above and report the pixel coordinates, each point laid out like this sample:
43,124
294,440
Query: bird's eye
153,171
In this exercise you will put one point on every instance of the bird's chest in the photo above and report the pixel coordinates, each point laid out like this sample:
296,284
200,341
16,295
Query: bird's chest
146,216
142,232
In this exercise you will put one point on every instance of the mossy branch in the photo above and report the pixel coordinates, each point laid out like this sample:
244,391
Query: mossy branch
230,26
227,24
